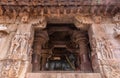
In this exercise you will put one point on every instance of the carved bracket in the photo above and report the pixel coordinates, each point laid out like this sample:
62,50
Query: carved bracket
82,22
40,23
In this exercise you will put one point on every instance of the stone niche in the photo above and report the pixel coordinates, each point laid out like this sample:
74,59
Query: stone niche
62,47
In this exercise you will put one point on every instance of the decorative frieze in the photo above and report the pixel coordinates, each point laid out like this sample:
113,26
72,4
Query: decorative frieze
9,14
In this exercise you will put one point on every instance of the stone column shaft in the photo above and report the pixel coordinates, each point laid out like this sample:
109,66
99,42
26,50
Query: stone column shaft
84,56
41,39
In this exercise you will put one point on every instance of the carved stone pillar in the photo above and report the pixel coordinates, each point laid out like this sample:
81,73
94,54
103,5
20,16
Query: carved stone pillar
82,41
40,40
84,56
36,56
43,61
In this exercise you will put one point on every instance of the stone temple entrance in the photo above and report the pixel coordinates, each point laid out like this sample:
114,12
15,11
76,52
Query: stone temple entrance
63,48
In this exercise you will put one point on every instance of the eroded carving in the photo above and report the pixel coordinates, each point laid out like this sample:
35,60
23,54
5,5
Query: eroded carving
110,68
117,30
104,50
116,18
11,69
105,47
97,19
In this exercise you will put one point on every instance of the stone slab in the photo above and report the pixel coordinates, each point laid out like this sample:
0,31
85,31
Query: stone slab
62,75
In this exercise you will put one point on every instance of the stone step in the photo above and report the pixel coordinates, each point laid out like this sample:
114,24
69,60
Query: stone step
63,75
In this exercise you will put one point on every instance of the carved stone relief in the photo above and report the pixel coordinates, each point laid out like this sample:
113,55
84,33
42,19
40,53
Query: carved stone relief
18,59
102,46
110,68
116,20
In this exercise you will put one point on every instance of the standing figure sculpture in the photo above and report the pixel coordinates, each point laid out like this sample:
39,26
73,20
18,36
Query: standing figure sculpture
14,45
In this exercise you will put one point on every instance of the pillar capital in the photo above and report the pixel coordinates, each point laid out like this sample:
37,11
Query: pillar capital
79,37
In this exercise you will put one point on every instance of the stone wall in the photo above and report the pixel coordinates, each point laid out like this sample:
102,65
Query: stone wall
16,40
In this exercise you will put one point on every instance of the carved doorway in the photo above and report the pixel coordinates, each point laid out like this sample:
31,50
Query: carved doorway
61,47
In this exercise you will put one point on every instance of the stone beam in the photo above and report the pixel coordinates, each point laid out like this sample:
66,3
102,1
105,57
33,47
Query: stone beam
58,2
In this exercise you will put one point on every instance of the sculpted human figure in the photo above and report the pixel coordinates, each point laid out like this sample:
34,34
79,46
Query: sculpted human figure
15,44
24,42
107,48
24,15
